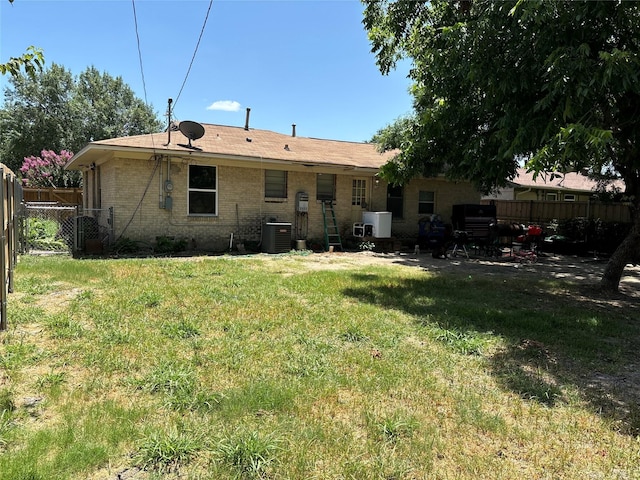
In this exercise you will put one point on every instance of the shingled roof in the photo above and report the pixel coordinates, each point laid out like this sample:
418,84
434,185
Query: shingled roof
572,181
240,143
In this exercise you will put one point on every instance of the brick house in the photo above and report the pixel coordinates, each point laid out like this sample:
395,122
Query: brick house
564,187
233,180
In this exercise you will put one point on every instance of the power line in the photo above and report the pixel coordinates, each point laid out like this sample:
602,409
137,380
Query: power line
155,157
144,83
135,21
194,53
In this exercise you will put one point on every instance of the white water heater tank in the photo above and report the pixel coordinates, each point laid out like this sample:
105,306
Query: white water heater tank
380,221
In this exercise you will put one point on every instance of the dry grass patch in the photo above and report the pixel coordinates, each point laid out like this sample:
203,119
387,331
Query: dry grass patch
313,366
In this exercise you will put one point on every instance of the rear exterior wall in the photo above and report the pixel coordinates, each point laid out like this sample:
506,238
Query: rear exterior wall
135,189
446,195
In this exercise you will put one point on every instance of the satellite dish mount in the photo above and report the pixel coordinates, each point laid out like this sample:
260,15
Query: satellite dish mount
191,130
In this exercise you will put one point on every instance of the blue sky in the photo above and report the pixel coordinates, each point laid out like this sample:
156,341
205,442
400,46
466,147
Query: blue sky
306,62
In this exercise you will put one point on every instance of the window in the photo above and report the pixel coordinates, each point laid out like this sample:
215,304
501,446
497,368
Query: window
395,201
552,196
569,197
275,184
203,190
325,186
426,202
359,193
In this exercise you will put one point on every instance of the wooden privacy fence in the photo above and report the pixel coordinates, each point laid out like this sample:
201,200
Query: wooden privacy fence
543,212
11,193
63,196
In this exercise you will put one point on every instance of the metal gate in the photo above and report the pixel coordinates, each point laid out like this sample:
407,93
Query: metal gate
53,228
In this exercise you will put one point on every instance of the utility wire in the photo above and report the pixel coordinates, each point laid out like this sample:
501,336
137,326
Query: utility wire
156,158
157,161
135,21
194,54
144,83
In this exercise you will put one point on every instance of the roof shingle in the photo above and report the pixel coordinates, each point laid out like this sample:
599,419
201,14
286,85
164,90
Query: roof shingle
251,144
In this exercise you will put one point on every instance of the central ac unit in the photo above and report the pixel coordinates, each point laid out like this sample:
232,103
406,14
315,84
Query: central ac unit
276,237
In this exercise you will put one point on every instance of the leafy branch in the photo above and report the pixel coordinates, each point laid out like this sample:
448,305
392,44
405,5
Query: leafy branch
32,62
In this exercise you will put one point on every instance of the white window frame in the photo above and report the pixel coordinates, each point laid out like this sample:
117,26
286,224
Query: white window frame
191,190
569,197
551,197
359,192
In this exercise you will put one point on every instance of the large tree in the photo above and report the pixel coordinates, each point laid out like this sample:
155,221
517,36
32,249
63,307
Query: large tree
554,84
56,111
110,108
38,114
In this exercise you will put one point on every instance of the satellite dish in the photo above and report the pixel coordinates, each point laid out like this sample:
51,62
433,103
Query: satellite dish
191,130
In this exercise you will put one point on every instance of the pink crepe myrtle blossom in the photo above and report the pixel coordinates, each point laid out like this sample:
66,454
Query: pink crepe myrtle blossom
47,170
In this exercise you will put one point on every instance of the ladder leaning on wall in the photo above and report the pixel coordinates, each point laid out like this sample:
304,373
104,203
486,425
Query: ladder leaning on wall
331,233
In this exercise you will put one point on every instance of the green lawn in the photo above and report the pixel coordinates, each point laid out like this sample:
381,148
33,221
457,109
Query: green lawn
284,367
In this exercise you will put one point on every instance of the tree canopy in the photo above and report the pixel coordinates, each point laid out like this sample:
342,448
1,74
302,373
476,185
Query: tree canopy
553,84
56,111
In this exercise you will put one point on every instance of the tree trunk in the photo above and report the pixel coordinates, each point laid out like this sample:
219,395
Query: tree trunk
627,252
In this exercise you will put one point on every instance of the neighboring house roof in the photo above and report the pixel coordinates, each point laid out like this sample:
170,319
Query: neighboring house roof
572,181
240,143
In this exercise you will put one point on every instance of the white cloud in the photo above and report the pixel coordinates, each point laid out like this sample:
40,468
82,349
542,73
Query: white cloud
225,105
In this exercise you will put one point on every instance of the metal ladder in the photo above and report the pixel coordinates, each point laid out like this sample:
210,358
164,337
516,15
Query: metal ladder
331,233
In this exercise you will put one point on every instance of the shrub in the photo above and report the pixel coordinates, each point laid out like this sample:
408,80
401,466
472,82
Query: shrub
125,245
43,235
593,234
170,245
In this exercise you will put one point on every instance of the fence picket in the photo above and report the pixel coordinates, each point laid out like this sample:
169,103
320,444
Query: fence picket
9,192
63,196
543,211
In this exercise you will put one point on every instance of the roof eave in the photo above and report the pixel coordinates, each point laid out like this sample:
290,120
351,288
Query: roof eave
93,151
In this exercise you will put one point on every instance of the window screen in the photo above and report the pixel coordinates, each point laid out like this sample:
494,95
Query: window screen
275,184
325,186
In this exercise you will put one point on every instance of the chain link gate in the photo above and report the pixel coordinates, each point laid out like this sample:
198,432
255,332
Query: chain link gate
52,228
94,230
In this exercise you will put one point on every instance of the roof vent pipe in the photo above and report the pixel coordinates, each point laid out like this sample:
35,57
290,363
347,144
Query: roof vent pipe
246,123
293,129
